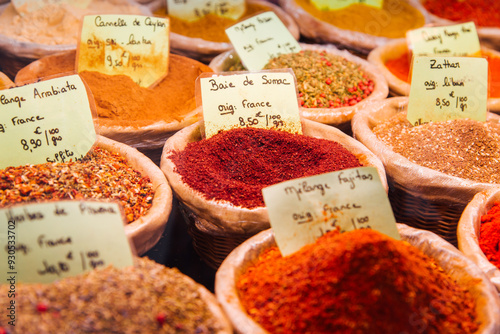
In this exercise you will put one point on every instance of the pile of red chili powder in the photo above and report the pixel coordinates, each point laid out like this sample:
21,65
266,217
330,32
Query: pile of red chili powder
489,237
235,165
356,282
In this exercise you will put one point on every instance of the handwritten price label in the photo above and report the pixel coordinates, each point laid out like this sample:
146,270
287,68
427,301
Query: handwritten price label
302,210
60,239
340,4
27,6
261,38
49,121
444,88
250,100
454,40
192,10
131,45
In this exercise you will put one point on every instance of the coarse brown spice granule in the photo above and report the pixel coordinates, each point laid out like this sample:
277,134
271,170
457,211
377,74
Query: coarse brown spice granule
463,148
100,175
144,298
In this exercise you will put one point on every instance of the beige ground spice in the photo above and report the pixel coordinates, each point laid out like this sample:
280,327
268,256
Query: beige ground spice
464,148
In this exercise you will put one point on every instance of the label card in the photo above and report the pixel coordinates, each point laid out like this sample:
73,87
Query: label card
132,45
444,88
302,210
48,121
266,99
455,40
48,241
192,10
27,6
340,4
261,38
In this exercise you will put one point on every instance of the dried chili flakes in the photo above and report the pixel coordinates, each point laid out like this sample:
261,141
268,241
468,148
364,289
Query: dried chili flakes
357,282
235,165
110,300
100,175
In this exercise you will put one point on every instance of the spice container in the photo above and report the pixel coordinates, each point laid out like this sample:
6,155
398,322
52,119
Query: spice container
420,196
218,226
137,116
454,264
116,172
53,29
205,39
483,13
393,61
358,26
338,116
144,298
470,233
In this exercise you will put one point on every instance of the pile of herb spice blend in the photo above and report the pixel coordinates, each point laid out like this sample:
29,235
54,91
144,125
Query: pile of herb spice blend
463,148
235,165
324,80
356,282
144,298
101,174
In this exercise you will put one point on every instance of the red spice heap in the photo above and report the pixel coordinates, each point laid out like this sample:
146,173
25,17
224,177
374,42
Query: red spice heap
235,165
357,282
485,13
489,237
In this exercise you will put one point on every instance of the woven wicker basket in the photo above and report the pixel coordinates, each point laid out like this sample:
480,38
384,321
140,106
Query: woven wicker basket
217,227
447,257
420,197
469,231
338,117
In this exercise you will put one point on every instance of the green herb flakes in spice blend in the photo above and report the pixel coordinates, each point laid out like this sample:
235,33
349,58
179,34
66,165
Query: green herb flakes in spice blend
356,282
325,80
145,298
101,174
235,165
463,148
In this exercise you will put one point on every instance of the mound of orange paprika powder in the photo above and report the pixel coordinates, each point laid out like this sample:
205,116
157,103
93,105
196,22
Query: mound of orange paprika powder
489,235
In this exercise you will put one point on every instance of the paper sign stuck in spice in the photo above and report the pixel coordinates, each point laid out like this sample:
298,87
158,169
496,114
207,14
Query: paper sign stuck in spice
261,38
48,121
131,45
266,99
445,88
302,210
192,10
44,242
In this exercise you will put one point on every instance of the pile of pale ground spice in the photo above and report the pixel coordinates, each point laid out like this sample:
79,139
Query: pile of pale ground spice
463,148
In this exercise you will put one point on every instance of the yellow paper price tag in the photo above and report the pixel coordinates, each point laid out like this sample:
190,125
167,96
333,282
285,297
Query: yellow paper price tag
454,40
27,6
48,121
444,88
340,4
40,243
261,38
302,210
132,45
192,10
250,100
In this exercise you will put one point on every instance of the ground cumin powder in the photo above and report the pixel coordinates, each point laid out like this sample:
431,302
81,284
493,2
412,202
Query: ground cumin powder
210,27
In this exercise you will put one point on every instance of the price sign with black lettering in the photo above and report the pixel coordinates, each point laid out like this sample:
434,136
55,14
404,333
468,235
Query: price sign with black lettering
302,210
132,45
261,38
266,99
48,241
340,4
192,10
445,88
48,121
455,40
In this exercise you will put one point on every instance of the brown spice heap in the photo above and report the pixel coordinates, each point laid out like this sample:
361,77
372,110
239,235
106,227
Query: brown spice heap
145,298
325,80
235,165
357,282
100,175
463,148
